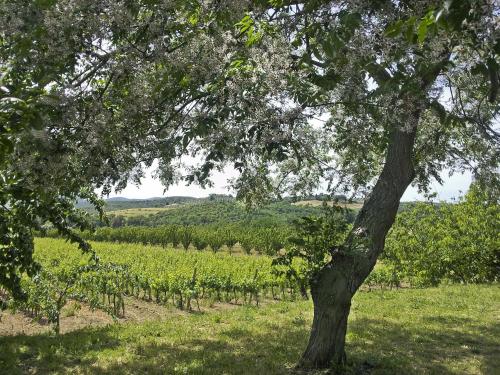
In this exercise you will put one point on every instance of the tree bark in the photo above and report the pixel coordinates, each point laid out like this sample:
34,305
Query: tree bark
332,301
334,286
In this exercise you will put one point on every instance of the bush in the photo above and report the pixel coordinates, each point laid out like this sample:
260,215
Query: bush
186,236
458,242
215,240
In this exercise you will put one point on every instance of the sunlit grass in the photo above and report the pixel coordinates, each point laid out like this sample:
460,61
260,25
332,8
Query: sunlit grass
445,330
144,211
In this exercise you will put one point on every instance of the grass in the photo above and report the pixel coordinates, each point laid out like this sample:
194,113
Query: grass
144,211
445,330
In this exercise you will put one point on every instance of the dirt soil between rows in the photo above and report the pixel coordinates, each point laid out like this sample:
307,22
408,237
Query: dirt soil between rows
77,315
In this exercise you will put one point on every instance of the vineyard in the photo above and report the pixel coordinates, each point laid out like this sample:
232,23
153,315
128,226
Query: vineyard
155,274
188,265
258,240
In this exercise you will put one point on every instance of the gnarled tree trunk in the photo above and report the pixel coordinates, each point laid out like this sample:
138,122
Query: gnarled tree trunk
334,286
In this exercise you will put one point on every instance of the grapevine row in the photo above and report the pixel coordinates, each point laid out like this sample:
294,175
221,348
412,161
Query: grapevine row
153,273
258,240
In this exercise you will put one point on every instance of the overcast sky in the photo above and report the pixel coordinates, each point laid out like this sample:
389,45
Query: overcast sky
453,187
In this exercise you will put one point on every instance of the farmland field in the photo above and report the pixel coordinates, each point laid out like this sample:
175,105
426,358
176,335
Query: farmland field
166,275
144,211
445,330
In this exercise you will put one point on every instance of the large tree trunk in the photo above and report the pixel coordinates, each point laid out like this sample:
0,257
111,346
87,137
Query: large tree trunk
331,296
333,287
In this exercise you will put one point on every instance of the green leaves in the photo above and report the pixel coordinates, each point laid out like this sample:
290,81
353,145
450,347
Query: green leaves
248,27
395,29
423,26
45,4
313,244
432,243
415,30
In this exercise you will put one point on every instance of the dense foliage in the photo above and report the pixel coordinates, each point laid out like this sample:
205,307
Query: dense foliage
315,241
459,242
224,212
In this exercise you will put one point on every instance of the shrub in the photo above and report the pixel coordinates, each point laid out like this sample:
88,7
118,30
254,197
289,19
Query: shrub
455,241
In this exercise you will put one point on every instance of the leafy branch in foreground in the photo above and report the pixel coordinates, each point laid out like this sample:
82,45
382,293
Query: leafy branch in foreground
316,241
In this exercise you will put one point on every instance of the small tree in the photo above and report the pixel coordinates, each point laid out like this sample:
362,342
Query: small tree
200,239
272,241
174,235
315,243
247,243
215,241
230,239
186,236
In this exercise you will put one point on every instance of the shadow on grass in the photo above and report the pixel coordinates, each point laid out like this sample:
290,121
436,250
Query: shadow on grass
231,351
445,346
375,347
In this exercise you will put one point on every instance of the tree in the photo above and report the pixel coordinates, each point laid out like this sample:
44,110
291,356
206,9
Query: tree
199,239
229,239
247,242
453,241
186,237
118,221
409,88
315,240
215,240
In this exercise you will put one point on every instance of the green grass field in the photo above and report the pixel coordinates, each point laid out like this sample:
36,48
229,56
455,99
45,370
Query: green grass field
143,211
445,330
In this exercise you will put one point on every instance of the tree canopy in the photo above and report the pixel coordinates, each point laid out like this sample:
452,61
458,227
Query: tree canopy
449,241
369,96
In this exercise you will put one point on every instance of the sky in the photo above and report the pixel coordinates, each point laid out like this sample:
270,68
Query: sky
453,187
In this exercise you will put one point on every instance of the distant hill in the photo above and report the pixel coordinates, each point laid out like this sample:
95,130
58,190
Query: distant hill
214,209
318,203
122,203
214,212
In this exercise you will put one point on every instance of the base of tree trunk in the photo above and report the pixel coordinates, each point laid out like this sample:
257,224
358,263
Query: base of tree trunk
332,302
